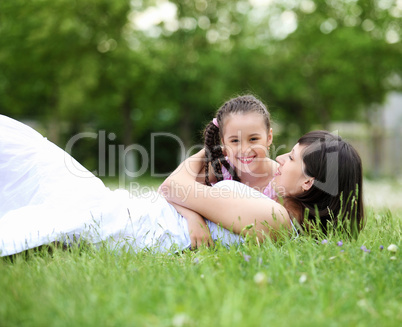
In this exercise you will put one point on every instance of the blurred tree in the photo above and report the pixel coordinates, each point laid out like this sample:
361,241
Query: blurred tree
337,62
69,64
194,76
90,62
52,53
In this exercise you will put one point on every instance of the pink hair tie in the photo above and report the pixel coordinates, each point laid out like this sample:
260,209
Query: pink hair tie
215,122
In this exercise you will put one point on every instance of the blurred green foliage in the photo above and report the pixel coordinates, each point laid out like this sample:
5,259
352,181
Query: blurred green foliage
80,65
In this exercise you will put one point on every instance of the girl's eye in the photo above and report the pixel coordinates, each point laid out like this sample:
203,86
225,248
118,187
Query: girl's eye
290,157
254,139
235,141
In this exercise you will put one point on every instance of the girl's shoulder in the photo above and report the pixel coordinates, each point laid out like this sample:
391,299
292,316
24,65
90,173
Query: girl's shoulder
225,173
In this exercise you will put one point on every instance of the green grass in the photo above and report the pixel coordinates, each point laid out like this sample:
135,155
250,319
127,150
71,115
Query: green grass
298,282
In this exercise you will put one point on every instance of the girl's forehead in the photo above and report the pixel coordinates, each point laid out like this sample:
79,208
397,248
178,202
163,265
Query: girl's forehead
243,118
244,123
243,114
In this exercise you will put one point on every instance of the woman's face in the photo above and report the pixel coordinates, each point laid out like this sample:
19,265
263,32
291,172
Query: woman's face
290,178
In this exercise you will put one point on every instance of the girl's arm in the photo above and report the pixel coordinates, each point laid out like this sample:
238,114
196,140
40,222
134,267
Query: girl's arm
242,213
197,227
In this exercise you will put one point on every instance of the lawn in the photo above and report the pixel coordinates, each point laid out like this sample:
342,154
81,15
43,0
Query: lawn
300,282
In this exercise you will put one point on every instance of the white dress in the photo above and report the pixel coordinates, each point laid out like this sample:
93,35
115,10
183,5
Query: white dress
46,196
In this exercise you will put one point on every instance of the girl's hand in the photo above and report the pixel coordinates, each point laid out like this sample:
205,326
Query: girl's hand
197,227
199,232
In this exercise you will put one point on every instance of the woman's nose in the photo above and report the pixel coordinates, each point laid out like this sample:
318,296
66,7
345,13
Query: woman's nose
279,159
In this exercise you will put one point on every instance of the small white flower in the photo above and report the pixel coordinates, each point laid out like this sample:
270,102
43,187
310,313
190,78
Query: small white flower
392,248
260,278
180,319
303,278
393,258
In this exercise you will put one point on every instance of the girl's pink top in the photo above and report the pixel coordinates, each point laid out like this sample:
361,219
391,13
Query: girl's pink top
268,190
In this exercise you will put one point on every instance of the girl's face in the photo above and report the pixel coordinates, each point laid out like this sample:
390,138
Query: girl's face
246,141
290,178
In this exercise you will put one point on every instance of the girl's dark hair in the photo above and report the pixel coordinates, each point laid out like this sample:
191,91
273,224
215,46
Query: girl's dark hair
213,134
336,197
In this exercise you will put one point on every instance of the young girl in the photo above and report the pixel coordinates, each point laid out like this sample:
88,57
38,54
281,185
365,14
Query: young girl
236,146
237,143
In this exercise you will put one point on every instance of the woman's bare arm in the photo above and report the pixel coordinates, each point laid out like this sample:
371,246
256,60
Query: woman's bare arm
222,206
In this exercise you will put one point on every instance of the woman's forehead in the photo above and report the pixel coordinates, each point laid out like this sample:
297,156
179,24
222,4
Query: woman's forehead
298,149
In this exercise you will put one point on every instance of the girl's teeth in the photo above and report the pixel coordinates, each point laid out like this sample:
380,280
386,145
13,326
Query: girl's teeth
246,160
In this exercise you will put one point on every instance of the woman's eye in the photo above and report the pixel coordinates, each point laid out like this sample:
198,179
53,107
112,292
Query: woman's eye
290,157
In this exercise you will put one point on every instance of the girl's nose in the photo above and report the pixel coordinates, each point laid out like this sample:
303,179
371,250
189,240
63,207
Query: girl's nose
244,148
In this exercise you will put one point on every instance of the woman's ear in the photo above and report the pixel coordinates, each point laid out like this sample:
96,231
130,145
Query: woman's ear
307,184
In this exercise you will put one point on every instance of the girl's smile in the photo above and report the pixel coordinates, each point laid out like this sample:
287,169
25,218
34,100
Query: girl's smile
246,160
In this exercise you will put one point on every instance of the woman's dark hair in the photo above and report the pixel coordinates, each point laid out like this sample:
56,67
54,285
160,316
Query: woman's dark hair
213,134
336,196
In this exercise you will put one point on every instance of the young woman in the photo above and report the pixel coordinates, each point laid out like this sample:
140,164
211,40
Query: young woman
47,196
